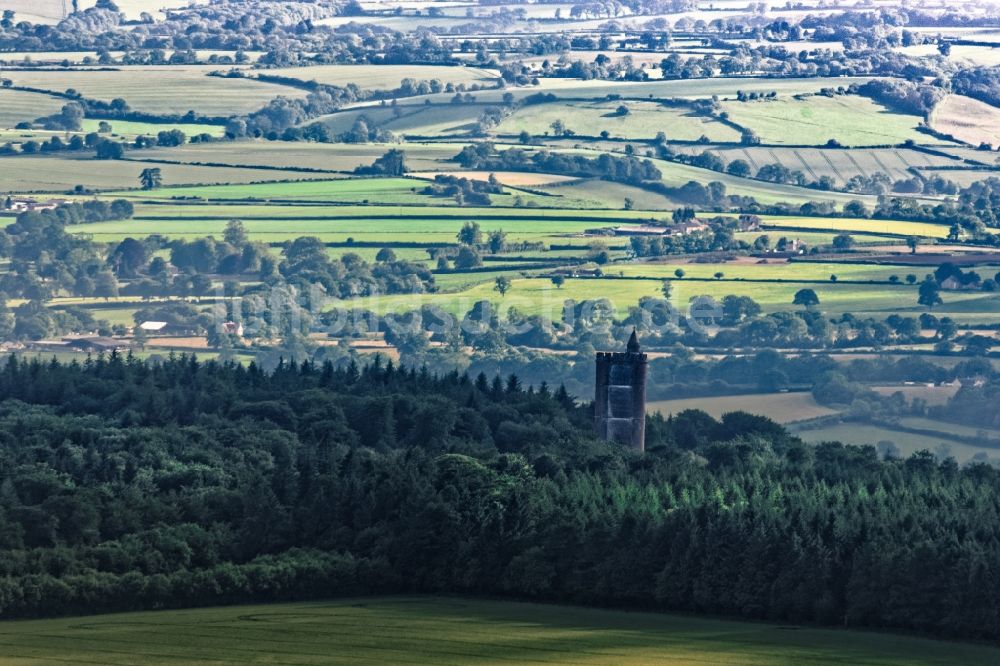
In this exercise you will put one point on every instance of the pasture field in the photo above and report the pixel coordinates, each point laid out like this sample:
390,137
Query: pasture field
964,55
162,89
774,270
433,120
859,225
509,178
386,77
725,88
968,120
780,407
430,630
538,296
932,395
363,229
965,177
851,120
841,165
643,121
907,442
695,88
62,172
18,106
397,192
946,427
594,193
677,175
322,156
133,129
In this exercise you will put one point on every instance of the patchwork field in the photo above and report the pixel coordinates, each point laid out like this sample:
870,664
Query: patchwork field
427,630
161,89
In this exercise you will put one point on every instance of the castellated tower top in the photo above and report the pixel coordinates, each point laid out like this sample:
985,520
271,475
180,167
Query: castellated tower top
620,395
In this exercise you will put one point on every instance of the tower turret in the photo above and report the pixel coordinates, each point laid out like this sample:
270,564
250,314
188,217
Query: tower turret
620,395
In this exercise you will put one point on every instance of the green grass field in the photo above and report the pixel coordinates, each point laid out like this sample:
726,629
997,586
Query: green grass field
428,630
537,295
893,227
852,120
133,129
643,121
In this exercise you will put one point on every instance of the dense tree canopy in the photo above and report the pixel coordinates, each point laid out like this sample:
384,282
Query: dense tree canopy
125,485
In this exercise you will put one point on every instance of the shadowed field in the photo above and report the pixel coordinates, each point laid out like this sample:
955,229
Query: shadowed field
450,631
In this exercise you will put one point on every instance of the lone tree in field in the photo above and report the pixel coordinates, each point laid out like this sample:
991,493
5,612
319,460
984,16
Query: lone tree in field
719,275
558,281
496,241
151,178
929,294
235,233
679,273
666,288
807,298
470,234
912,242
501,285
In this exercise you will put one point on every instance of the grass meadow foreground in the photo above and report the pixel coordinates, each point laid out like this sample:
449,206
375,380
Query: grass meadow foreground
424,630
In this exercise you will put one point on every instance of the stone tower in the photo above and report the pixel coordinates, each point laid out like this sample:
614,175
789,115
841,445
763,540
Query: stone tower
620,398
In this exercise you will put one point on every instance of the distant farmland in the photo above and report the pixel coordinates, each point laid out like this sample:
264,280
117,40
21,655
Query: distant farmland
852,120
17,106
781,407
967,119
161,89
386,77
839,164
